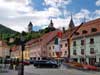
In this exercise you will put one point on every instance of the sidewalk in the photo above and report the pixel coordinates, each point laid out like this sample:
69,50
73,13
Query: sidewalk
10,72
13,72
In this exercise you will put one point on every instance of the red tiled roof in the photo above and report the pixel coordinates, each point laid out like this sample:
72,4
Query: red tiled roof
49,36
44,39
70,32
32,41
87,27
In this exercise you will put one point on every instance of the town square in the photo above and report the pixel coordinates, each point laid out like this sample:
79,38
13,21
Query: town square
50,37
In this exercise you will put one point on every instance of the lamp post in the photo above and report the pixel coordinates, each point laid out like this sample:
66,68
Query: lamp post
22,49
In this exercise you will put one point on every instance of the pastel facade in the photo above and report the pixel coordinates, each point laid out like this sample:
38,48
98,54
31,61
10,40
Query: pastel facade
4,49
86,44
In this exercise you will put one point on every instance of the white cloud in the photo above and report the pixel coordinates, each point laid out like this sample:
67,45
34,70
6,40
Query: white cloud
98,2
56,3
16,5
97,12
79,17
83,13
16,14
60,22
13,18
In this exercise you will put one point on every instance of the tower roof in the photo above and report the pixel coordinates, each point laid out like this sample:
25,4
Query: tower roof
30,24
71,24
51,24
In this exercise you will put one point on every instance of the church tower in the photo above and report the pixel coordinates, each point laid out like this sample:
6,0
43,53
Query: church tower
71,24
30,27
51,24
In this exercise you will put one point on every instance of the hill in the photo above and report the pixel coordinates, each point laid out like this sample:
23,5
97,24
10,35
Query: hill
5,30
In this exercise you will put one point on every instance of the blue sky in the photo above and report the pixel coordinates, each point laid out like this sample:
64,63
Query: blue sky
17,14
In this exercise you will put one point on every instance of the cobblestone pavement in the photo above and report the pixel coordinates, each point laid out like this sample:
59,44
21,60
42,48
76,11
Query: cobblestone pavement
31,70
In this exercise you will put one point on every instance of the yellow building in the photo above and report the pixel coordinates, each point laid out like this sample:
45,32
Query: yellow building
4,49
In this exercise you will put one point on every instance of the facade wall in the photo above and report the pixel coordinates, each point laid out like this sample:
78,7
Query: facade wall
87,55
26,53
4,50
51,51
35,52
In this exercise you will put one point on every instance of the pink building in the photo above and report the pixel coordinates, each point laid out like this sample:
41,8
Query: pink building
38,47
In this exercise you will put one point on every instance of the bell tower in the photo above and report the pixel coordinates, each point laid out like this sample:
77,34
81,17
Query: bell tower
30,27
71,23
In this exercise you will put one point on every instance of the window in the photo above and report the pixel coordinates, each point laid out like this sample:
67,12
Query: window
91,41
82,51
49,48
74,43
76,33
74,52
82,42
53,53
84,32
49,54
53,47
65,52
92,51
61,45
65,44
93,30
44,52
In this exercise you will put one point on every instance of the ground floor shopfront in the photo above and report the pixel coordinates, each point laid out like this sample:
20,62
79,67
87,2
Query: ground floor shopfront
86,59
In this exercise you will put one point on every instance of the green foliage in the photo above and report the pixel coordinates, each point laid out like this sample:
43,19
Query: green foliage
5,30
6,34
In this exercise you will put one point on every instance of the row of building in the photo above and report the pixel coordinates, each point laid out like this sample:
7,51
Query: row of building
84,44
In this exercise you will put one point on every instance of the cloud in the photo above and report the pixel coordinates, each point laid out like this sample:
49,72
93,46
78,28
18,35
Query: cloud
96,14
11,9
20,14
98,2
17,14
56,3
81,15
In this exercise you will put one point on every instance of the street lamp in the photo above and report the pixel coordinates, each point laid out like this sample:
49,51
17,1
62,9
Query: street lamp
22,49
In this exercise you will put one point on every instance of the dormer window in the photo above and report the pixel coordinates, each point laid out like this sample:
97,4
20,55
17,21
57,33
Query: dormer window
93,30
84,32
76,33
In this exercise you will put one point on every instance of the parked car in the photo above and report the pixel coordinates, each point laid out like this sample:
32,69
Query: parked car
97,64
46,63
25,62
32,61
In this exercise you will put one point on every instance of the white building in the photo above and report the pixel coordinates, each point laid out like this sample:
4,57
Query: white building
85,45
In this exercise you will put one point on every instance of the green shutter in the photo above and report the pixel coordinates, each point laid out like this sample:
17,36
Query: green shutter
56,41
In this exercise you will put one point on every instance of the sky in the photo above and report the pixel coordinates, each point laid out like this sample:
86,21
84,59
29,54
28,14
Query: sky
16,14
